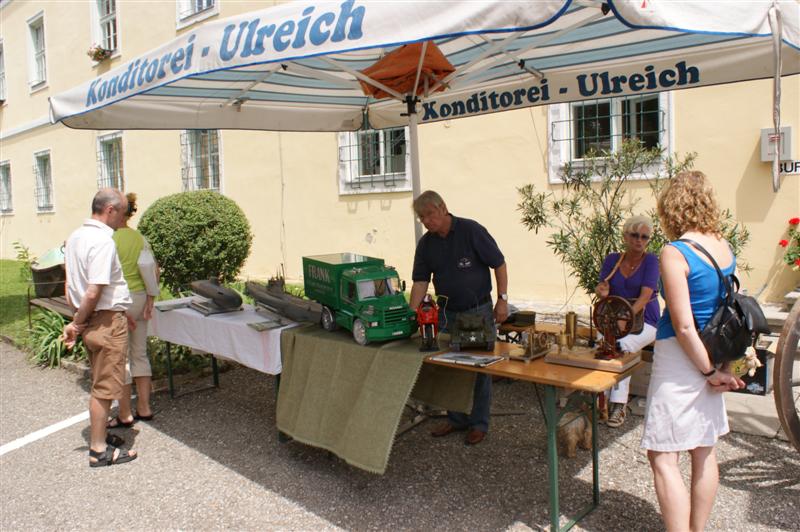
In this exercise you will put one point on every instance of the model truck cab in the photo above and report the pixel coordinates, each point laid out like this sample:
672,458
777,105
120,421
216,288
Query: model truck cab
360,294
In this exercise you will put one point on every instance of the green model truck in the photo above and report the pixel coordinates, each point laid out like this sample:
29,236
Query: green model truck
360,294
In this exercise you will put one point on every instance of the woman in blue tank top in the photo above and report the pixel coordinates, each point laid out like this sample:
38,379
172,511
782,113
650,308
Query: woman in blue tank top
685,407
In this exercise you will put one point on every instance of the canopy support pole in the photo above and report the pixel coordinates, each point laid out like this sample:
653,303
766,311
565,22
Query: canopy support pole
776,26
413,118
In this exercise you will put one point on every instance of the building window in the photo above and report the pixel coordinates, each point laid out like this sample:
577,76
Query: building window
2,75
110,172
38,62
579,129
44,182
6,205
200,158
191,11
107,19
374,160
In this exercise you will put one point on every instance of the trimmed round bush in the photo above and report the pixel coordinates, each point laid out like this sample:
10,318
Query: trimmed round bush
197,235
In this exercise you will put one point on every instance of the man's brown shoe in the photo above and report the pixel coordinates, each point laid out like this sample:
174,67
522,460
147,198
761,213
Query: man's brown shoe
474,437
443,429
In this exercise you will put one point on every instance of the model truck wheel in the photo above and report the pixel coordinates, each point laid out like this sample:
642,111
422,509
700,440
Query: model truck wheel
328,320
360,332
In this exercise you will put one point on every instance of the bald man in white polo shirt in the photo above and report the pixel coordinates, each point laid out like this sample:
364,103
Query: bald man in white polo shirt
98,291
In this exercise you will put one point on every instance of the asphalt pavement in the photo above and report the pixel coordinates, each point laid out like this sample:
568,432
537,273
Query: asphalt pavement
212,460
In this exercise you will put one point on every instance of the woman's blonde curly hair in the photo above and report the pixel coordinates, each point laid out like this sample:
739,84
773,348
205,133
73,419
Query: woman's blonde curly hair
688,204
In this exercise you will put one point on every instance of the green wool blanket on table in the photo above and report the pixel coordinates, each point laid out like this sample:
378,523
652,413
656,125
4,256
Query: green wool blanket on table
348,398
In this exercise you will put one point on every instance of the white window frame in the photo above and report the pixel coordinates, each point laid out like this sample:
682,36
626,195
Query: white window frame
37,59
3,84
103,170
6,190
560,128
97,25
39,183
188,12
349,177
188,155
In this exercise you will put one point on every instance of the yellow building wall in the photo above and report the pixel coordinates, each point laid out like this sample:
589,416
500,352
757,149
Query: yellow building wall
287,182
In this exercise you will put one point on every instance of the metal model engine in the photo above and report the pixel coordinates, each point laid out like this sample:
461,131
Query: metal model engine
273,297
219,298
614,318
472,330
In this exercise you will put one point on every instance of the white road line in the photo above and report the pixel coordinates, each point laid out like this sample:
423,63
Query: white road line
42,433
47,431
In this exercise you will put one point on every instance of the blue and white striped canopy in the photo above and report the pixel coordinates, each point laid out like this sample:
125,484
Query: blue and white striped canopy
296,66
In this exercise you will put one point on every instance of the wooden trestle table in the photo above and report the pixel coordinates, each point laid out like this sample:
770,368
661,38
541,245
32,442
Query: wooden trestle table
551,377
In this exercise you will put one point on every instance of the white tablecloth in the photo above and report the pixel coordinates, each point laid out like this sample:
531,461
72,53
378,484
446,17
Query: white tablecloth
225,335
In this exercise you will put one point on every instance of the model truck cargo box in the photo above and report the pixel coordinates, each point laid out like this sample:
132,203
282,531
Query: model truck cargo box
322,274
360,294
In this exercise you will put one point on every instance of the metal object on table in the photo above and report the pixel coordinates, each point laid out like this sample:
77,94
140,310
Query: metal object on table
571,328
615,319
217,298
274,297
536,345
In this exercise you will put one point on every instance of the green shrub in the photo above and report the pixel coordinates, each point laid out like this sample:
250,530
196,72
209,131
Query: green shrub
197,235
46,344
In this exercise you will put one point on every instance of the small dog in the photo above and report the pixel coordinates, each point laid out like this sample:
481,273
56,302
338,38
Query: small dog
574,429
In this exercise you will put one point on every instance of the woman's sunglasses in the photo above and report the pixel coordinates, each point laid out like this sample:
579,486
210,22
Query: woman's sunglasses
639,236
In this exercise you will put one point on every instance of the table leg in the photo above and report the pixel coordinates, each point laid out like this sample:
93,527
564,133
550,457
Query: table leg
169,372
215,371
551,421
595,455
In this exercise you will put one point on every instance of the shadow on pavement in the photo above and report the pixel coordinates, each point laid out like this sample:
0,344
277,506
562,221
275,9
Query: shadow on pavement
429,483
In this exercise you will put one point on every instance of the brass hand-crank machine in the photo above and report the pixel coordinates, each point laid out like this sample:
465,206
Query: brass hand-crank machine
614,318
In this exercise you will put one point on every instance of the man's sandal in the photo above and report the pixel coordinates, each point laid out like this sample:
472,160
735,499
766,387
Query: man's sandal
117,423
137,417
111,456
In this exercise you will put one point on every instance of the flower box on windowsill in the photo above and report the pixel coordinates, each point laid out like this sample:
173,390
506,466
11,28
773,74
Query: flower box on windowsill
98,53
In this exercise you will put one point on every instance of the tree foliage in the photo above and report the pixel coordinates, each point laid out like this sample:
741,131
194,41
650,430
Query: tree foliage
587,212
197,235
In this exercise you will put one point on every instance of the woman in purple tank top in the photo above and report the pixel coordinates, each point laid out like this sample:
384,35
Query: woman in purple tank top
632,274
685,407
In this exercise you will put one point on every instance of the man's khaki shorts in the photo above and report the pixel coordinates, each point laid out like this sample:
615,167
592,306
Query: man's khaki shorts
106,340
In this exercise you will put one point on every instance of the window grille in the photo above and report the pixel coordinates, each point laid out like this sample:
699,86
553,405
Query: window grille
193,7
5,188
375,159
44,182
2,75
107,10
39,61
200,158
109,163
601,125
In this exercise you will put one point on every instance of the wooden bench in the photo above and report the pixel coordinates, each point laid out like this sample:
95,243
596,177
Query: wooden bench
57,304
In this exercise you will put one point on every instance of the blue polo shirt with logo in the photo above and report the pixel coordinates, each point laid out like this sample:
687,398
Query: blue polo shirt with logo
459,263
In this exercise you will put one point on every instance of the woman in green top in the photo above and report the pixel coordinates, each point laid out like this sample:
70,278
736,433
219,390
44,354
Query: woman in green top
141,273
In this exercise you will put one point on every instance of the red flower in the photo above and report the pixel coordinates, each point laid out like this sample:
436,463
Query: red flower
794,221
783,243
797,262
